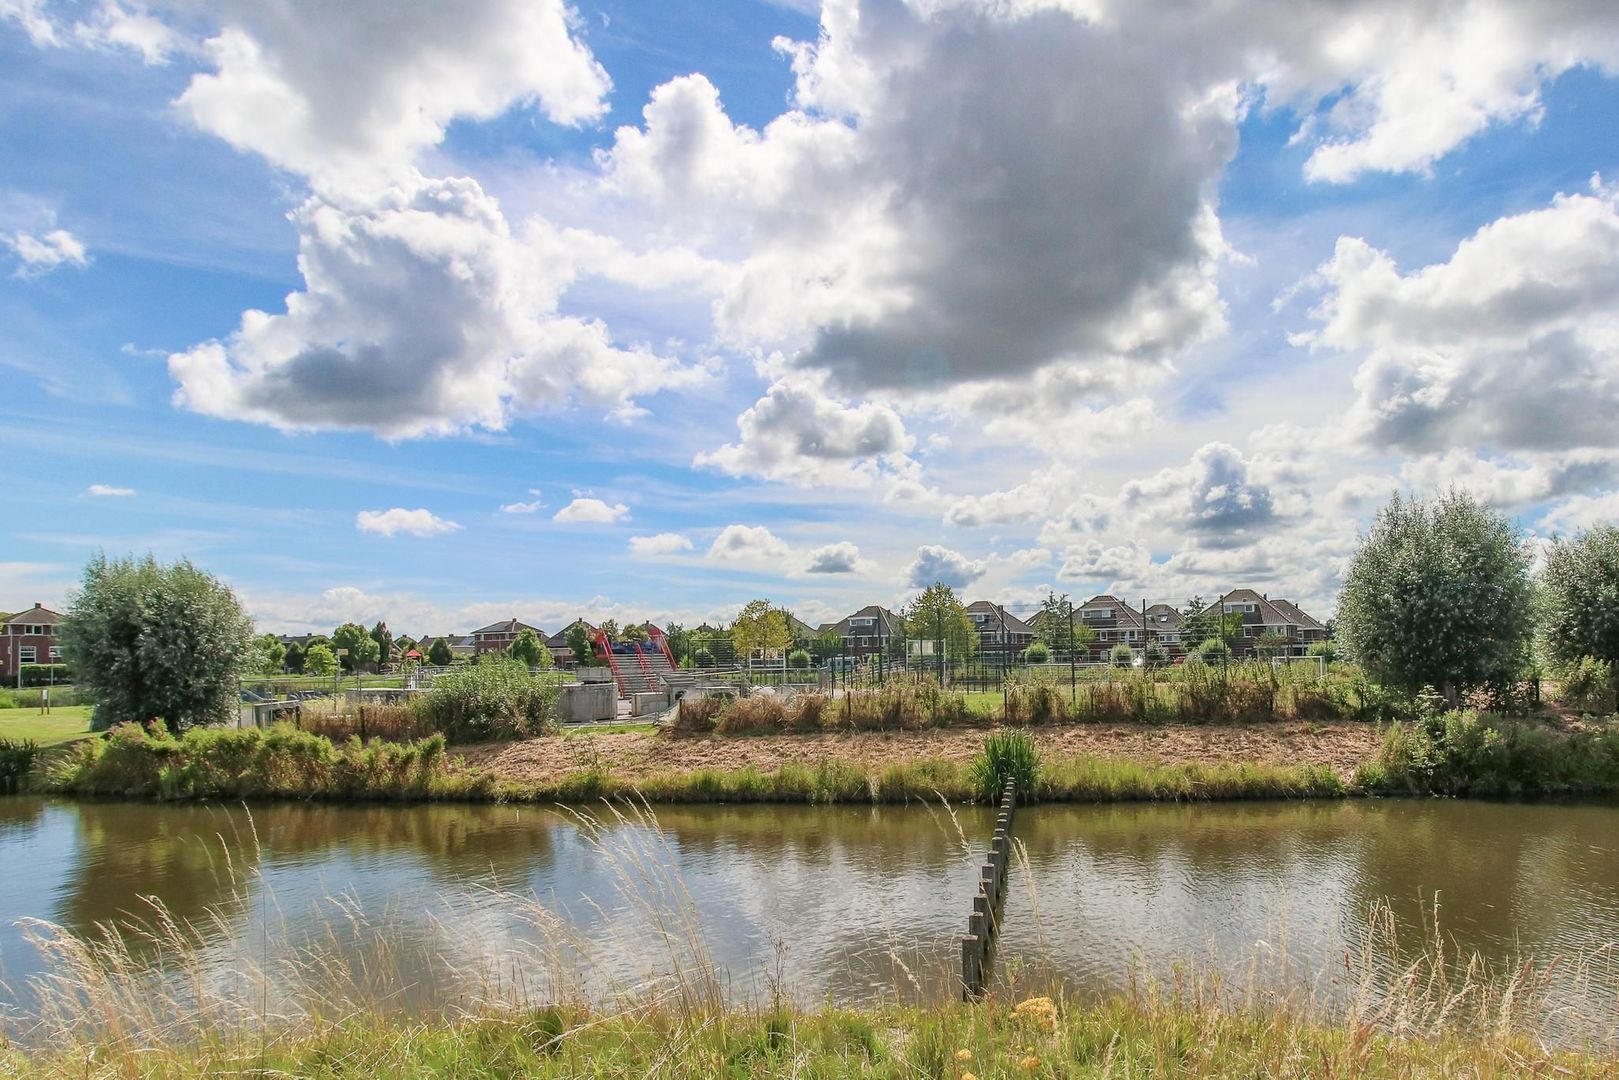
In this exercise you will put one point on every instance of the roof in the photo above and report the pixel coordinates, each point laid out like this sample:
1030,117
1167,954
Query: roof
890,623
510,626
1013,624
39,613
1298,614
559,640
1122,612
1162,615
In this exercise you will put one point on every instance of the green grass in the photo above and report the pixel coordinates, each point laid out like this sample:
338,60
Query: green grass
1137,1036
62,724
578,731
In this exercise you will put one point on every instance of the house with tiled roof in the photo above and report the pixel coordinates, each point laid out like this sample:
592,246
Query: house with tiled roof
29,637
1111,622
867,631
999,631
1280,621
498,637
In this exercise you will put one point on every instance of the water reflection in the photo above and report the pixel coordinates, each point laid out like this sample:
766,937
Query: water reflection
1117,888
842,903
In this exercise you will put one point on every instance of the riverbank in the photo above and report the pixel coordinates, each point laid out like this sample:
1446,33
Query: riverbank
1460,754
1138,1035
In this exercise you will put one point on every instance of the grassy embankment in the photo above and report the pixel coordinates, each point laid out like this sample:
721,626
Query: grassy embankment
1140,1036
62,724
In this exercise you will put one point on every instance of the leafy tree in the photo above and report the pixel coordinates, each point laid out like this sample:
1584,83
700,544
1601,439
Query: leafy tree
530,649
937,615
1197,623
439,653
828,643
1439,595
1579,598
1327,649
385,642
268,655
636,632
152,640
1272,644
320,660
362,649
1056,617
578,639
293,661
610,628
404,644
760,627
678,638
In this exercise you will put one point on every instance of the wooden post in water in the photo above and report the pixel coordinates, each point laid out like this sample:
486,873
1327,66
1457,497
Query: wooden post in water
984,920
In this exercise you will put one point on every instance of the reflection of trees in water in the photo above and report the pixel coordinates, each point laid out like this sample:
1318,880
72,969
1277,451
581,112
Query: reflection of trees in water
1507,877
199,859
20,813
882,839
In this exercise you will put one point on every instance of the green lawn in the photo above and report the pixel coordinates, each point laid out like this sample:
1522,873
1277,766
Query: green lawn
62,725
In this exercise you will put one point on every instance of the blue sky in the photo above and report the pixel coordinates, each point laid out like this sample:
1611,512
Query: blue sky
649,309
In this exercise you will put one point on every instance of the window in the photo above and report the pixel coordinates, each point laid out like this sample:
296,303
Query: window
1245,608
1097,613
26,655
56,653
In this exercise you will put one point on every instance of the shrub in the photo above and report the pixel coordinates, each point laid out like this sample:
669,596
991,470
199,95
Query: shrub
239,763
698,714
1007,755
16,759
34,675
806,712
759,714
798,658
1213,651
1587,685
495,699
1034,703
1121,655
1327,649
1037,653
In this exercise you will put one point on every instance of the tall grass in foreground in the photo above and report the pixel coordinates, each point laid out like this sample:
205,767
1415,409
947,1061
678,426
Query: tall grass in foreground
1466,753
652,1002
1007,757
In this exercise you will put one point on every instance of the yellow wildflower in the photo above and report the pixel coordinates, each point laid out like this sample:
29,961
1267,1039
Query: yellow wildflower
1029,1064
1039,1009
964,1055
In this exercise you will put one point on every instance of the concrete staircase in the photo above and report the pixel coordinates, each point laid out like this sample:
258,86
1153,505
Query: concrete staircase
642,671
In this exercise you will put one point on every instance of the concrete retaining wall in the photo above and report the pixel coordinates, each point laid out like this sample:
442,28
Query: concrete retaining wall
644,703
580,703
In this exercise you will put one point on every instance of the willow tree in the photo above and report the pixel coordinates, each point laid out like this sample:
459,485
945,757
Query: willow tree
151,641
1579,598
1439,595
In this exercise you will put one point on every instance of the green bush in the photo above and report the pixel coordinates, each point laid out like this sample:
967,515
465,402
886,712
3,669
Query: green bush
1121,655
494,699
1587,685
240,763
798,658
1466,753
1327,649
1213,651
1007,755
34,675
1037,653
16,758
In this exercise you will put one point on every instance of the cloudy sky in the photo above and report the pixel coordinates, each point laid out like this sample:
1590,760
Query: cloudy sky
446,313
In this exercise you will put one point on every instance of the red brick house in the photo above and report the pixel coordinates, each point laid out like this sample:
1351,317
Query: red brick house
498,637
29,637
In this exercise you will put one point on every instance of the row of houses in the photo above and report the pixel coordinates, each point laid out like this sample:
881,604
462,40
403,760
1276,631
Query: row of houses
1111,621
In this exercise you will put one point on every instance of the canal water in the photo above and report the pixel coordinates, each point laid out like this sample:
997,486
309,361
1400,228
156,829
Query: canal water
428,906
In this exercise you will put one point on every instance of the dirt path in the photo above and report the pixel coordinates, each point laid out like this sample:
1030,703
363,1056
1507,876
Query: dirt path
1342,746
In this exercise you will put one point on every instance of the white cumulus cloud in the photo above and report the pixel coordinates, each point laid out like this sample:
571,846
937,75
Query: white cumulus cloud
108,491
398,520
586,510
659,544
48,251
